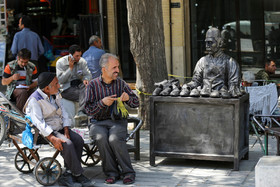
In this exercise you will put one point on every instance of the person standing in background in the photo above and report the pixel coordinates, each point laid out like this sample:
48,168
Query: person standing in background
27,39
93,55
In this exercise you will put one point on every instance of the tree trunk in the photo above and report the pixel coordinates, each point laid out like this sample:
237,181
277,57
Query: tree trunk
145,25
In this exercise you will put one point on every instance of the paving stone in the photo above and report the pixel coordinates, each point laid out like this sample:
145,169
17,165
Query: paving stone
169,171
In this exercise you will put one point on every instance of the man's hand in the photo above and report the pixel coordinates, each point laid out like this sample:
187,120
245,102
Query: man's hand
71,63
85,82
109,100
124,97
66,133
57,142
16,76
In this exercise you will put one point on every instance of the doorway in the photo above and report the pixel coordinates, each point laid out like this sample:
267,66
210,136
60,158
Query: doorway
126,59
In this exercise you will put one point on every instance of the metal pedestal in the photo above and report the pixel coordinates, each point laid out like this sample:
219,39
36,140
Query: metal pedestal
199,128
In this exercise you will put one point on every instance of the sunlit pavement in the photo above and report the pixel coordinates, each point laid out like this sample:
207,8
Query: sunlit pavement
168,172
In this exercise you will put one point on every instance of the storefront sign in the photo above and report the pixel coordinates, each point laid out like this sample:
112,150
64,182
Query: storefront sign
175,5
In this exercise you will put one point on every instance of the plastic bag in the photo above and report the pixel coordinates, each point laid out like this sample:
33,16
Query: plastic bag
27,137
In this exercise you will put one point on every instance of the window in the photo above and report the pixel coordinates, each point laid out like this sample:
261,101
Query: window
250,27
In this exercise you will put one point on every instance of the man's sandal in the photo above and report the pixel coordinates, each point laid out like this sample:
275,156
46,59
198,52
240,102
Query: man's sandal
111,180
129,179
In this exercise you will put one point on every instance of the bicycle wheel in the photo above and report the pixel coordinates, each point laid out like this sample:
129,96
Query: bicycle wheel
90,155
3,129
47,171
23,165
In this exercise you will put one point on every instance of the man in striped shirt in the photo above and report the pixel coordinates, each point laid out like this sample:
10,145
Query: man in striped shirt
110,133
20,76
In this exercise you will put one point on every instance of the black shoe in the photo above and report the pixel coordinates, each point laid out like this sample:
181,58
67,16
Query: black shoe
175,90
84,181
205,92
194,93
161,83
224,93
185,91
166,91
67,180
215,94
157,90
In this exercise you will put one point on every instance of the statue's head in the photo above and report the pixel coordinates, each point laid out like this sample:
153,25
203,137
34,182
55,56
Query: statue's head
213,40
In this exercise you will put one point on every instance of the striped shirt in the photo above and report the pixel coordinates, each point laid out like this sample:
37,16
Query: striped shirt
22,73
97,90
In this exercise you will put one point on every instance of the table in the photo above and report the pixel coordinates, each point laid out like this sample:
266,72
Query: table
199,128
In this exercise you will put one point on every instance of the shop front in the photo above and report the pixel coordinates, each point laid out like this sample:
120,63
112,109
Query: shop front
252,27
58,23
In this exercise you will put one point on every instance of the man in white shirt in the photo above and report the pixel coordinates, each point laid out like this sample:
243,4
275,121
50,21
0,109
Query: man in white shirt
73,76
48,115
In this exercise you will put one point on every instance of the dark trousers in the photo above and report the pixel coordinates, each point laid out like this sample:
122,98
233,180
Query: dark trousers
72,151
20,95
110,138
76,94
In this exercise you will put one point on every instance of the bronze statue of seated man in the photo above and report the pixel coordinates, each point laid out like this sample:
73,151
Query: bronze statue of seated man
216,74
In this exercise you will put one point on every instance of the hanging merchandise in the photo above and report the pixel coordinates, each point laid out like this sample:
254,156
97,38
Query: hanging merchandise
3,18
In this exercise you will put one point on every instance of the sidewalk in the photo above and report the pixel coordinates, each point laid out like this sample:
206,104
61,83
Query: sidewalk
169,172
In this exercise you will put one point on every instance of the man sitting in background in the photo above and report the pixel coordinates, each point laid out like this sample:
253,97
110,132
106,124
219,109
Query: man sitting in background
93,55
269,69
21,78
73,75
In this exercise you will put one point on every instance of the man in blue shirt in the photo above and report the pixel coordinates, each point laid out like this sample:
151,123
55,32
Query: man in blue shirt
93,55
27,39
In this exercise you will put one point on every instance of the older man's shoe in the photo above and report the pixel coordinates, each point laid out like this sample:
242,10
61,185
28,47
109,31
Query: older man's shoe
84,181
67,180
